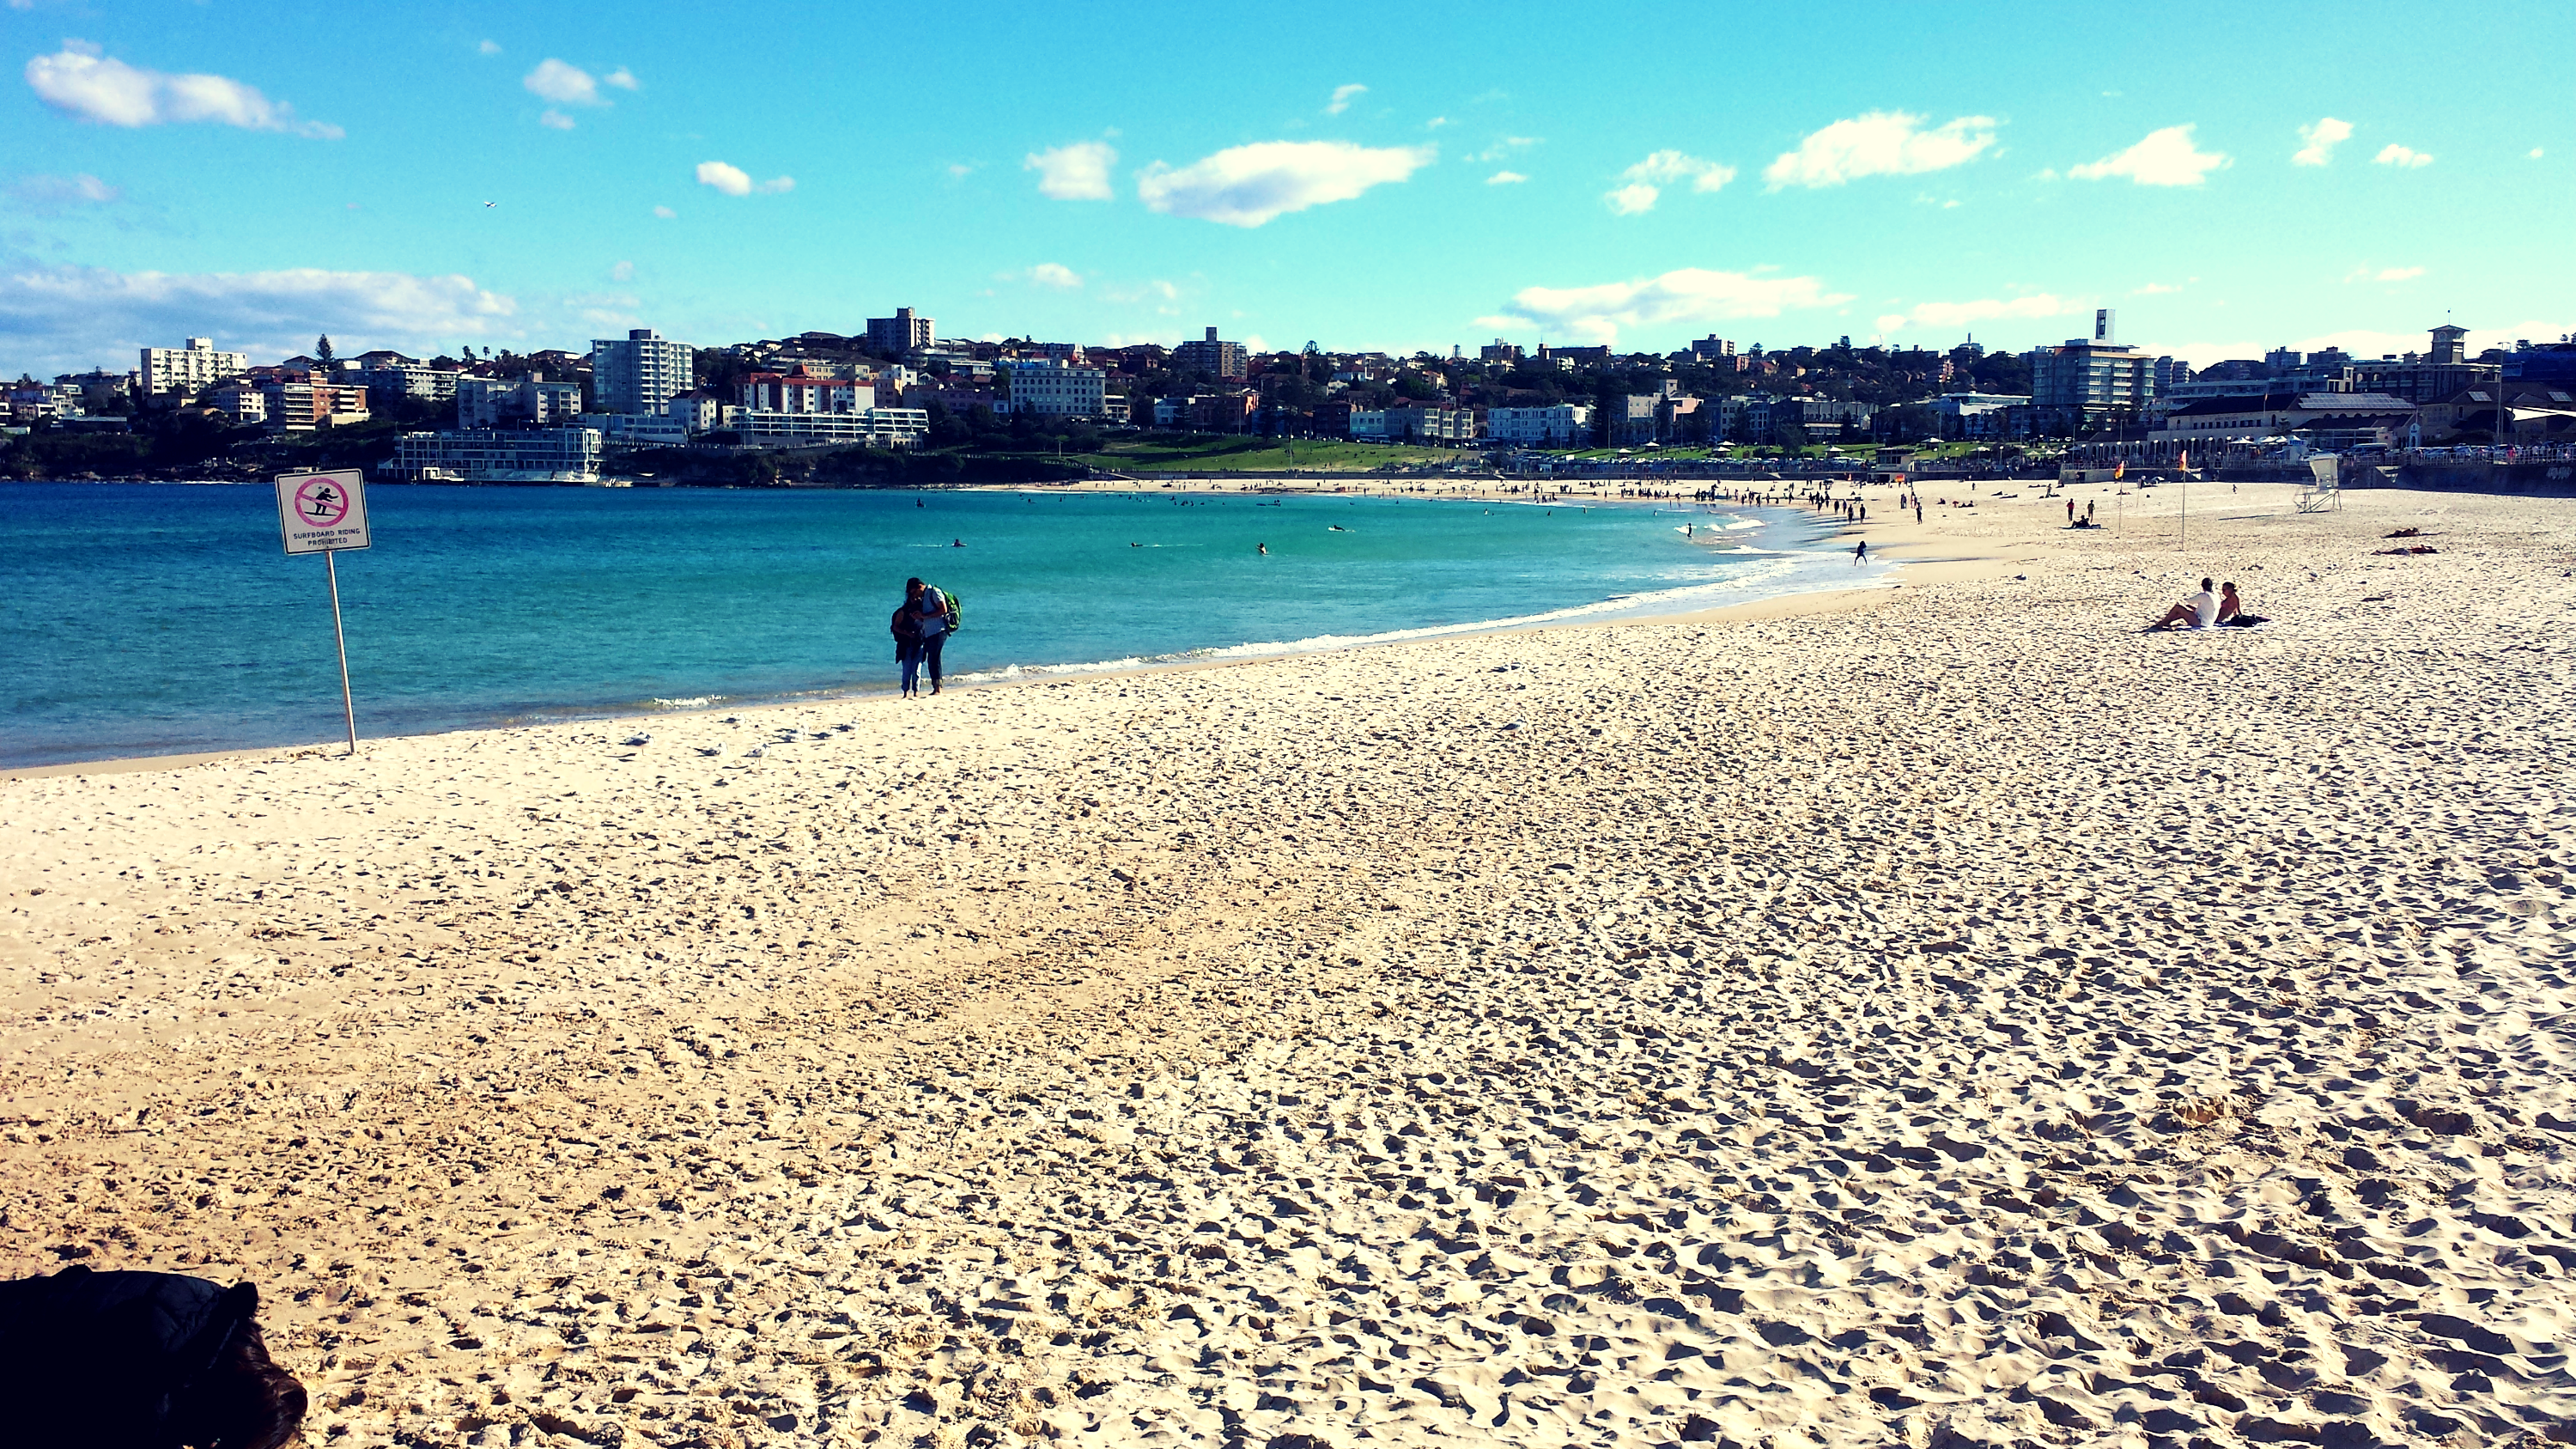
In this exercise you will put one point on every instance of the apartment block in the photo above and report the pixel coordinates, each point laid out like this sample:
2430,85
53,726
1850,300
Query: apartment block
803,392
1224,361
187,371
639,372
875,427
901,333
521,402
498,455
1051,389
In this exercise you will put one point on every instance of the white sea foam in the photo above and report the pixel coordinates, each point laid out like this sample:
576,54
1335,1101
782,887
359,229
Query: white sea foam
697,701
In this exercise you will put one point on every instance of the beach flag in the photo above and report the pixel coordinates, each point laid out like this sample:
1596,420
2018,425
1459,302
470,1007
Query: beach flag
2184,466
2119,470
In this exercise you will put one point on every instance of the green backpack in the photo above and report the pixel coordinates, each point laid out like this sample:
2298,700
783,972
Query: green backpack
956,611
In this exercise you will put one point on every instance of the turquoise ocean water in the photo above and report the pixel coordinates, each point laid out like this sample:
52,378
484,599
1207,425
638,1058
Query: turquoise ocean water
147,619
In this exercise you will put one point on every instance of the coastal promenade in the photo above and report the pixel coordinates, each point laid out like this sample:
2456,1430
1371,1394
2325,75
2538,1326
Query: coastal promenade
1939,1014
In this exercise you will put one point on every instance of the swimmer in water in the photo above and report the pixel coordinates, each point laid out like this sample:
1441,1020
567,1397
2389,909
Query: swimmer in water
960,543
1261,547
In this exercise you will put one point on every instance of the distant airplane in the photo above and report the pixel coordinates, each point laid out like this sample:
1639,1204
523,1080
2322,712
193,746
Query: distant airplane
491,203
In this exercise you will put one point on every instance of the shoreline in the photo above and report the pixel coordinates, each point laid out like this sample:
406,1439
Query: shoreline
1026,675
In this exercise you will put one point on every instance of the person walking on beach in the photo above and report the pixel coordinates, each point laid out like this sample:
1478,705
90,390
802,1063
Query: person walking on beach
934,625
906,626
1860,555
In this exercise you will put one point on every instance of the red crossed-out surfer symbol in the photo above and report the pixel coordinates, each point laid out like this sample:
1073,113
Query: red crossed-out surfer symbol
321,502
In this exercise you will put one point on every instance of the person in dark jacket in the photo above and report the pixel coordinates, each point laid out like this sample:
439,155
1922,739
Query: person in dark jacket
126,1360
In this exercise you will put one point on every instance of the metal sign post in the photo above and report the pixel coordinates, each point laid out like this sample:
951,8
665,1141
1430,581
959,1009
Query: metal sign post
324,513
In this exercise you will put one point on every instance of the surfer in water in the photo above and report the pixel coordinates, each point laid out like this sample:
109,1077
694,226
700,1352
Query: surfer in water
1262,548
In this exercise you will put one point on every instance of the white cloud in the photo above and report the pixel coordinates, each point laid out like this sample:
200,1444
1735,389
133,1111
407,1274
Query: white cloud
1880,143
2164,158
1632,200
1153,291
1690,296
1248,185
565,85
622,272
1505,178
734,181
489,47
664,212
1342,98
2403,157
65,317
1079,172
2535,153
2155,289
623,79
1665,167
1054,274
80,81
1505,149
2321,140
1951,316
1435,123
46,195
554,120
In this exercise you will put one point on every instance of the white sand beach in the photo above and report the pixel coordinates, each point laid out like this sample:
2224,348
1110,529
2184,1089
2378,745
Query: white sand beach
1947,1017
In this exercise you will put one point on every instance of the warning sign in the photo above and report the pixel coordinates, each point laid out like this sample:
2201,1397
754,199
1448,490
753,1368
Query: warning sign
322,512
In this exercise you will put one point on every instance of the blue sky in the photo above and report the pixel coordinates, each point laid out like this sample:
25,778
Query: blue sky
2230,177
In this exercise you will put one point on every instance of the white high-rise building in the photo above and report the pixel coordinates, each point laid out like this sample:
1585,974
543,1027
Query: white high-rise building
1043,388
190,370
639,372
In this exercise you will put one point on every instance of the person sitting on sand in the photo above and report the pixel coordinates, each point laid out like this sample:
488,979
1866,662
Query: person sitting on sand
2231,610
2199,611
131,1360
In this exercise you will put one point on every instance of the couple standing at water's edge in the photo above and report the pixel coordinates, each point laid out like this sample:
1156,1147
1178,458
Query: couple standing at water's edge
921,626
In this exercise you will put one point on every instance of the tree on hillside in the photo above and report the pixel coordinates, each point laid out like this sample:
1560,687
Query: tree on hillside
322,350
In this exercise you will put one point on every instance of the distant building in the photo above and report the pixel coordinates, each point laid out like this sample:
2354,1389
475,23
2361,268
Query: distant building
1980,415
1712,347
1501,351
391,377
239,399
301,406
2430,377
2089,382
1630,420
2532,413
2275,415
874,427
803,392
1050,389
187,371
639,372
522,402
498,455
1565,425
901,333
1224,361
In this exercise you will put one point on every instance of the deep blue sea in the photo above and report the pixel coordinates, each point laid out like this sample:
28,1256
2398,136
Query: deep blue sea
144,619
